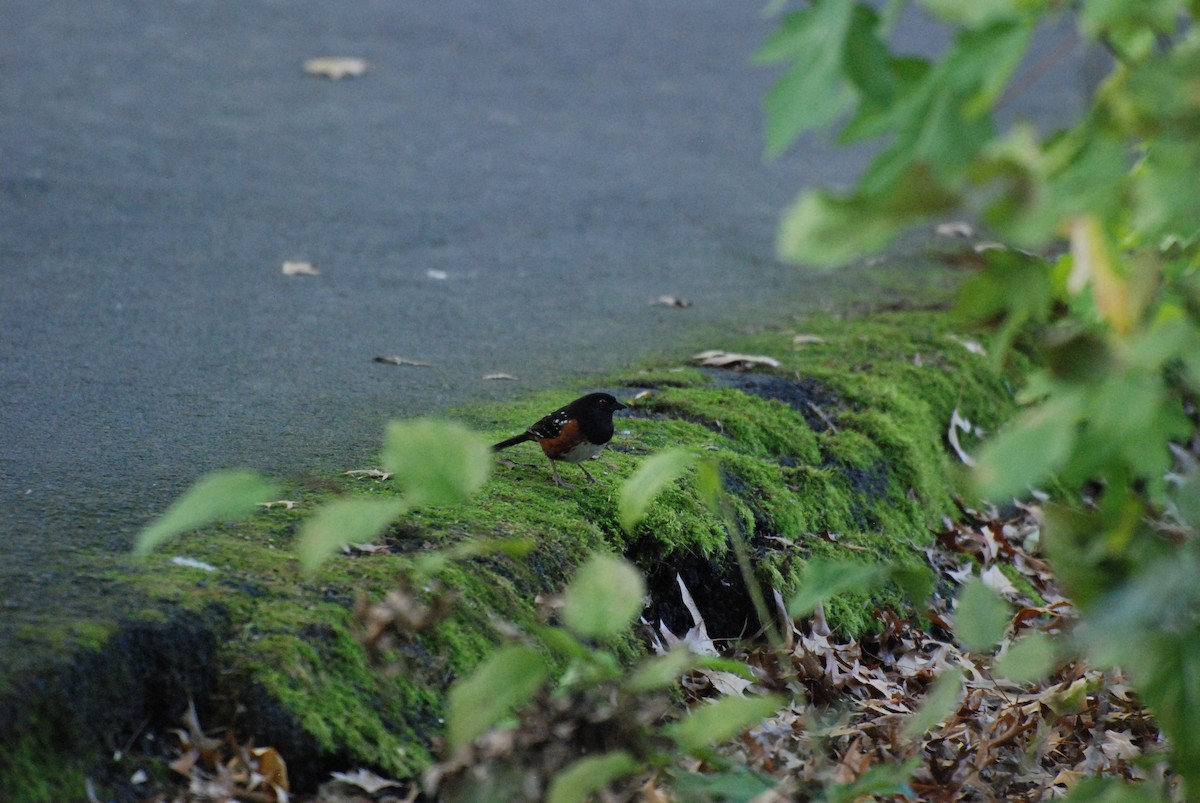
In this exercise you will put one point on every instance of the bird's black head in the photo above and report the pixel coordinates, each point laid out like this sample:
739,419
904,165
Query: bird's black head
599,402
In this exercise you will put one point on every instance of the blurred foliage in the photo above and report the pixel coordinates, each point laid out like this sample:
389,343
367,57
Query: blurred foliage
1112,416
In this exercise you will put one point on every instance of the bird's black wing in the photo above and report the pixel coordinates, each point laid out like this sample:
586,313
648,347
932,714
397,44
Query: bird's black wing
551,426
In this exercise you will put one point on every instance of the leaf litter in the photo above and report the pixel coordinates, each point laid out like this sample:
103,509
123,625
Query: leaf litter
995,738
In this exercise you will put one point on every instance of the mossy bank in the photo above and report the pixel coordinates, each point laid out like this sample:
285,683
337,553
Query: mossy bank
839,451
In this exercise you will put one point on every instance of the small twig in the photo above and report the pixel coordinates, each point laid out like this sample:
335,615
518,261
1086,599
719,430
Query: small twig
824,417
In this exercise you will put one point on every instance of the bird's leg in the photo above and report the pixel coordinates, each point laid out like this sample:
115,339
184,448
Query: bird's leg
591,479
554,469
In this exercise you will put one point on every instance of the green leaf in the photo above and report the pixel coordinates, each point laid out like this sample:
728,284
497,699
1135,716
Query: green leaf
651,478
708,725
826,230
708,484
1098,16
561,643
867,61
734,785
589,775
1029,449
822,579
660,671
508,678
941,701
882,780
1148,626
1187,500
1111,790
813,91
980,617
915,581
218,496
343,521
431,563
1166,195
729,665
436,462
1029,658
604,598
975,13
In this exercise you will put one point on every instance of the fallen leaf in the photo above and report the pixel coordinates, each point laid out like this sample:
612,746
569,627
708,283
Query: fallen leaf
366,549
192,563
671,301
335,68
374,473
956,229
286,504
271,766
957,423
365,780
973,346
291,268
727,683
509,377
994,579
393,360
804,340
726,359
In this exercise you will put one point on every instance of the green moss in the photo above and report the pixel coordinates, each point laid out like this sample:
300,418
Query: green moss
758,426
33,770
839,453
327,684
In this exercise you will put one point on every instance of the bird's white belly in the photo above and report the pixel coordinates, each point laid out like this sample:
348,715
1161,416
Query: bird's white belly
584,451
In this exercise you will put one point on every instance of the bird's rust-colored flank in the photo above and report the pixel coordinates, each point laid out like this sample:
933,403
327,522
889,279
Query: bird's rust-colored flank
566,440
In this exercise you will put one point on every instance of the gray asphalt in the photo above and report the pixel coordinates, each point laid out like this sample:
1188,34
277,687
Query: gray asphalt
559,164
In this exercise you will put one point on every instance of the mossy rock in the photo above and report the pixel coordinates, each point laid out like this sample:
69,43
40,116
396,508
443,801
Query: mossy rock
839,452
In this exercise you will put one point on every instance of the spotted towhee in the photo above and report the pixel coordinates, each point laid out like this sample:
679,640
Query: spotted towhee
573,433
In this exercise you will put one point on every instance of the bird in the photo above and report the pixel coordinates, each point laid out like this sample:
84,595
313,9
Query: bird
574,433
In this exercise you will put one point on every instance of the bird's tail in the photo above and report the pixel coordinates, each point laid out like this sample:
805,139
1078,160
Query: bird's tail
524,436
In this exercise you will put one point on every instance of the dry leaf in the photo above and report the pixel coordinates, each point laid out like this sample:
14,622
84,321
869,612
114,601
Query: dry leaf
192,563
804,340
957,422
335,67
671,301
726,359
393,360
374,473
366,549
509,377
365,780
994,579
973,346
957,229
295,268
286,504
271,766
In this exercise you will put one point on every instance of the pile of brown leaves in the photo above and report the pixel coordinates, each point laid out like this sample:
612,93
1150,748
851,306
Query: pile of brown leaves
1001,740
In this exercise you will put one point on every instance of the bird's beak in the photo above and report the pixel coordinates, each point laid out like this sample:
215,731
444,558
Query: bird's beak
620,407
